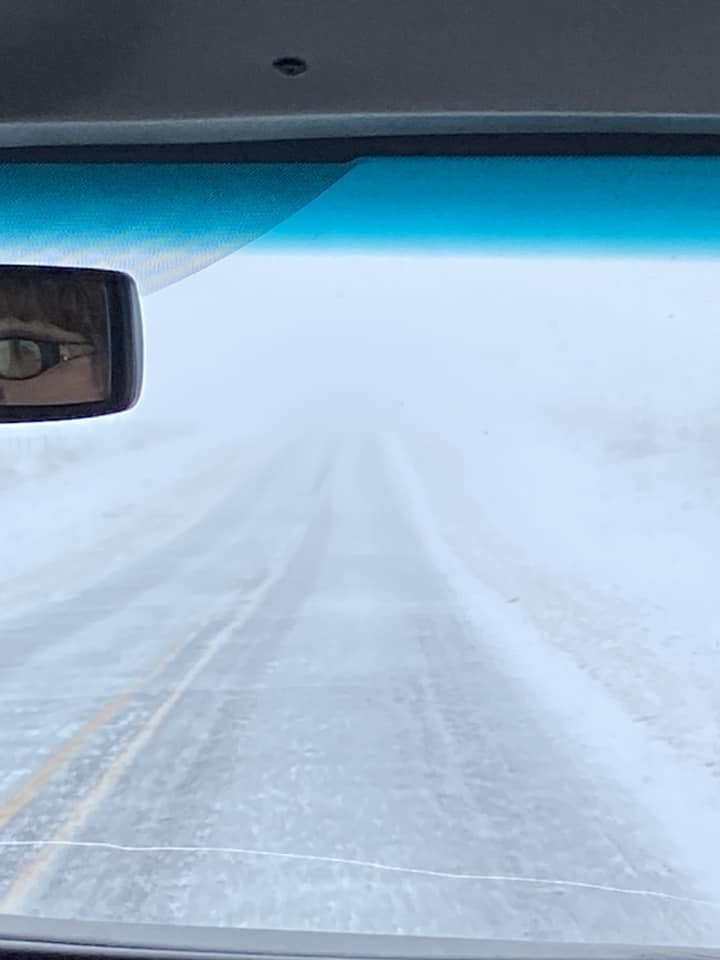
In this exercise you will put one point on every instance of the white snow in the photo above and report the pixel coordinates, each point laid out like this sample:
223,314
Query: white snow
552,431
574,465
675,791
559,420
567,479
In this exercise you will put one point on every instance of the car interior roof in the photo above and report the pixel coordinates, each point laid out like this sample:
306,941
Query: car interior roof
184,71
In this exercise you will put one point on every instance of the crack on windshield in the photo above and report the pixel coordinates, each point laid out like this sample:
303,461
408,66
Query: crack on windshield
363,864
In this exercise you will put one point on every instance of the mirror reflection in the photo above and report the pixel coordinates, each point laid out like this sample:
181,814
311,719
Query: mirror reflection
53,338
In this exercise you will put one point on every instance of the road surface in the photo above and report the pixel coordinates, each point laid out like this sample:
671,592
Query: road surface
285,719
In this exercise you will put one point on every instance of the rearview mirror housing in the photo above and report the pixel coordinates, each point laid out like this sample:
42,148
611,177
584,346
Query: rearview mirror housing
70,343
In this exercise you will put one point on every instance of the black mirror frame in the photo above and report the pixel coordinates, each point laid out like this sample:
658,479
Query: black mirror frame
125,352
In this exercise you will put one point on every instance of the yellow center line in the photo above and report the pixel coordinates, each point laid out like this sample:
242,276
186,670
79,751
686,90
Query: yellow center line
31,787
13,899
28,876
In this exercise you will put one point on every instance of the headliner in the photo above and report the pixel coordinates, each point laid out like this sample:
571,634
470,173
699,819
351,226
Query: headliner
181,71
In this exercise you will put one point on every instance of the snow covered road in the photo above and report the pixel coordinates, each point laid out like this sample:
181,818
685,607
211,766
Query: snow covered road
284,718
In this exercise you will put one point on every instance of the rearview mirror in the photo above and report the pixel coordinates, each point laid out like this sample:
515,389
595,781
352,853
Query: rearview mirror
70,343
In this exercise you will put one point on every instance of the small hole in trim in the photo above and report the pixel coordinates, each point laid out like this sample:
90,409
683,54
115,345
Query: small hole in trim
290,66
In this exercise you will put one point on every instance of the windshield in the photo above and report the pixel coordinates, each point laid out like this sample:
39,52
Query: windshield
391,606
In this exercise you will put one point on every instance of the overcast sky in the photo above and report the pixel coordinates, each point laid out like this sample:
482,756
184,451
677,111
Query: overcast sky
332,334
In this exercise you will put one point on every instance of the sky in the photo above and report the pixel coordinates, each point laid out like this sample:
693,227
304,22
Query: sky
327,337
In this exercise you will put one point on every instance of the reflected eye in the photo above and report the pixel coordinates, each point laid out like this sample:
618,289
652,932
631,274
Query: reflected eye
22,358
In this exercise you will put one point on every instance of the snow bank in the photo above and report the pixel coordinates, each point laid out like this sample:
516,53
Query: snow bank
573,463
677,793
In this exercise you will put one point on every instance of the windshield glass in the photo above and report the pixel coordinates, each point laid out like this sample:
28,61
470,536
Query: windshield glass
391,606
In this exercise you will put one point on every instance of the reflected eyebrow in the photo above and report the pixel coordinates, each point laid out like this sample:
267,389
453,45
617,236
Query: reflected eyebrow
42,329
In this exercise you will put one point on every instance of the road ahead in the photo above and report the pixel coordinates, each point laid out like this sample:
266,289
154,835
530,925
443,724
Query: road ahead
284,719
